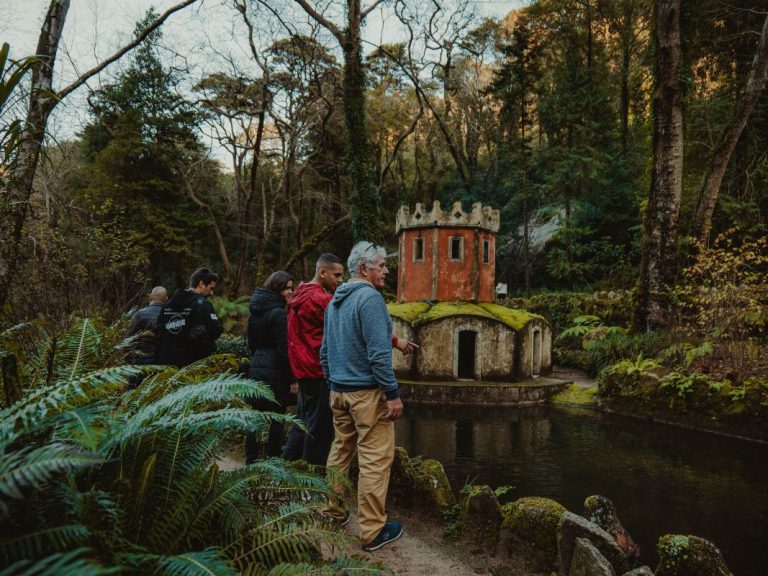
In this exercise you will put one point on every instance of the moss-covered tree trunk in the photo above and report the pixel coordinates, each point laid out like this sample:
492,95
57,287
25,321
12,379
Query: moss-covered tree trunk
658,264
364,195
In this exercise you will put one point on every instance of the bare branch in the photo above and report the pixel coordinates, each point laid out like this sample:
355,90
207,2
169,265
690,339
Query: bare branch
370,9
83,78
322,20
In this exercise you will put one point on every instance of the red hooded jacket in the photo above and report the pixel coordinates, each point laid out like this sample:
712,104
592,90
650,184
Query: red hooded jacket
306,311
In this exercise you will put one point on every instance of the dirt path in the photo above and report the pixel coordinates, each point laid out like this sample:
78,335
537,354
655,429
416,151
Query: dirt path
420,551
578,377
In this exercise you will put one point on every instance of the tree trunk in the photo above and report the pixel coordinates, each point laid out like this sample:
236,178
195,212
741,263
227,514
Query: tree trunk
364,196
658,264
41,103
711,187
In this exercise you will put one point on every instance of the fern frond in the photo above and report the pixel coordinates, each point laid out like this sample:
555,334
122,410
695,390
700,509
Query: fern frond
209,562
33,411
72,563
34,544
34,466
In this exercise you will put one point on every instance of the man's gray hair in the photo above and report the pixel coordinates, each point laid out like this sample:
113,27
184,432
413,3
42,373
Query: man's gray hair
364,253
158,294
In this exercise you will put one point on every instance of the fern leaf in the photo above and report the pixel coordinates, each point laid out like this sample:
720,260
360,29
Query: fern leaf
33,467
33,544
209,562
72,563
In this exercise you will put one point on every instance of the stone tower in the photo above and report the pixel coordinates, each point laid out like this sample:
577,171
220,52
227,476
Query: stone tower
446,256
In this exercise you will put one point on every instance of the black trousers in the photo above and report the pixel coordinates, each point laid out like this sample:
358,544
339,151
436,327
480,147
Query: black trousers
254,449
315,411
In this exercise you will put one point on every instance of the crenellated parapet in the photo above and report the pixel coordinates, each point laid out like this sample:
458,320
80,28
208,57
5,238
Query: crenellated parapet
483,217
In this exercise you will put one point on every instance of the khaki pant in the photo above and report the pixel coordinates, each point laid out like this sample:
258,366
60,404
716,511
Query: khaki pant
359,420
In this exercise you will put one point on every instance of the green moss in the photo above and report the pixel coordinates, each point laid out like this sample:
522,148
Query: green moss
480,518
419,312
512,317
432,486
409,312
534,521
576,395
688,556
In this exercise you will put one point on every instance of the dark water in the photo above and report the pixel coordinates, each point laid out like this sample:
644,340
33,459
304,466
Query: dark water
662,479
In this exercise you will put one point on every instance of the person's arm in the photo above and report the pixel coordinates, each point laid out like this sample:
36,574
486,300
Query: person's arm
324,349
212,324
375,324
280,334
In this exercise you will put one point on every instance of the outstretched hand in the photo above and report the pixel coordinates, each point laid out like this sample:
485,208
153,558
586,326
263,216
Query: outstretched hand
405,346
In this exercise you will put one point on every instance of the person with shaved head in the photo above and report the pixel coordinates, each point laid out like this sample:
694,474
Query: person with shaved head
145,320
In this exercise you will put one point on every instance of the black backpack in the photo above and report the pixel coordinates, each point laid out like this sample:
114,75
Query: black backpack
182,336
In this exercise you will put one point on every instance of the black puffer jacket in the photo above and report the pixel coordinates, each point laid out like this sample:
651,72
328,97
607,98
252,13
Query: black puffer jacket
268,341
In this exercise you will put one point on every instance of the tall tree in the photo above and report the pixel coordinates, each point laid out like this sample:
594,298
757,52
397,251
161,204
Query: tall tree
711,188
364,194
42,101
658,264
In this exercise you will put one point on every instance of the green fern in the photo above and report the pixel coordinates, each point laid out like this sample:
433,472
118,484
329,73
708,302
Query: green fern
72,563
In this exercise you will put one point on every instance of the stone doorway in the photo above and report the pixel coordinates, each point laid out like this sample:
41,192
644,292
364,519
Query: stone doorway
466,368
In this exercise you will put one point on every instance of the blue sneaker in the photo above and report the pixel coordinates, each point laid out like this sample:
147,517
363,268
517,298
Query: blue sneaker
392,531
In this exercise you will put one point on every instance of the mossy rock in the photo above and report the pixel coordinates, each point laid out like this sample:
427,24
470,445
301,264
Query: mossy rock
402,479
533,521
689,556
433,491
481,517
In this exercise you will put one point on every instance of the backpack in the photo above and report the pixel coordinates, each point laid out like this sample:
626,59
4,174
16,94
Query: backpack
182,336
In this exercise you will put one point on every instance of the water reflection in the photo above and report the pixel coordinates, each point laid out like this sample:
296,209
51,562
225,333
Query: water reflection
662,479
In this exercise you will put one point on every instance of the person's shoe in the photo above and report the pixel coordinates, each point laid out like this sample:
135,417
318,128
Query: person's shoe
392,531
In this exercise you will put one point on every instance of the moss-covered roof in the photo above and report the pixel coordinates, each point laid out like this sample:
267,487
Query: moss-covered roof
420,312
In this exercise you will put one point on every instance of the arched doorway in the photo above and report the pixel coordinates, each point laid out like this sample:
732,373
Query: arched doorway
467,353
536,368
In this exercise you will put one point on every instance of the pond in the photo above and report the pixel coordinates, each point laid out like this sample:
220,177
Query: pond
662,479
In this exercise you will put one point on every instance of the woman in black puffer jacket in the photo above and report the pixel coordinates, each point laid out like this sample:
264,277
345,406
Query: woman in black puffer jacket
267,340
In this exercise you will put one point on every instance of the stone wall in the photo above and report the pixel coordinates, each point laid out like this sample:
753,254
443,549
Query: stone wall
437,357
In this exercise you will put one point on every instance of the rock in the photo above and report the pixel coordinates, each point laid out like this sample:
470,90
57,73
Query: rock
587,561
642,571
480,517
573,526
402,480
432,490
532,522
601,511
689,556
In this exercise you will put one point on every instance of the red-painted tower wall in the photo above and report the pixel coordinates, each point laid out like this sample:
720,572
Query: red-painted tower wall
447,256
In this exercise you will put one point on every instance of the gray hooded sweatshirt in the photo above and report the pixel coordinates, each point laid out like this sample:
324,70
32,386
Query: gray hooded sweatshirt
356,353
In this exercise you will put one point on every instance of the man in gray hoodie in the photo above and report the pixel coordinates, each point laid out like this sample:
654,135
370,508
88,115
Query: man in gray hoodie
356,356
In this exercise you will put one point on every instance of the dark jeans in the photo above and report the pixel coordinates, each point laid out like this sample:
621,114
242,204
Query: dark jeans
254,448
315,411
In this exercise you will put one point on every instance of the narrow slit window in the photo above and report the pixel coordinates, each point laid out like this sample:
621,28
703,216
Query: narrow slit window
418,249
456,248
486,251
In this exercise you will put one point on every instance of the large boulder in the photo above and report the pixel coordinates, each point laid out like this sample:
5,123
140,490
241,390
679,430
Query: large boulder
573,526
587,560
530,526
481,517
601,511
689,556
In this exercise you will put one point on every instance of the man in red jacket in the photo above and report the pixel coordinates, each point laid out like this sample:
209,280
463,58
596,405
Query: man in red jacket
306,312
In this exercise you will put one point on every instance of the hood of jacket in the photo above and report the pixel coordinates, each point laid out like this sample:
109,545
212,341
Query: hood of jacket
182,298
305,292
348,288
263,300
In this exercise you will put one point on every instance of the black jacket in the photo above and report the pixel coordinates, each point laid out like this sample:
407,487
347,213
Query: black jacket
187,329
268,341
146,320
